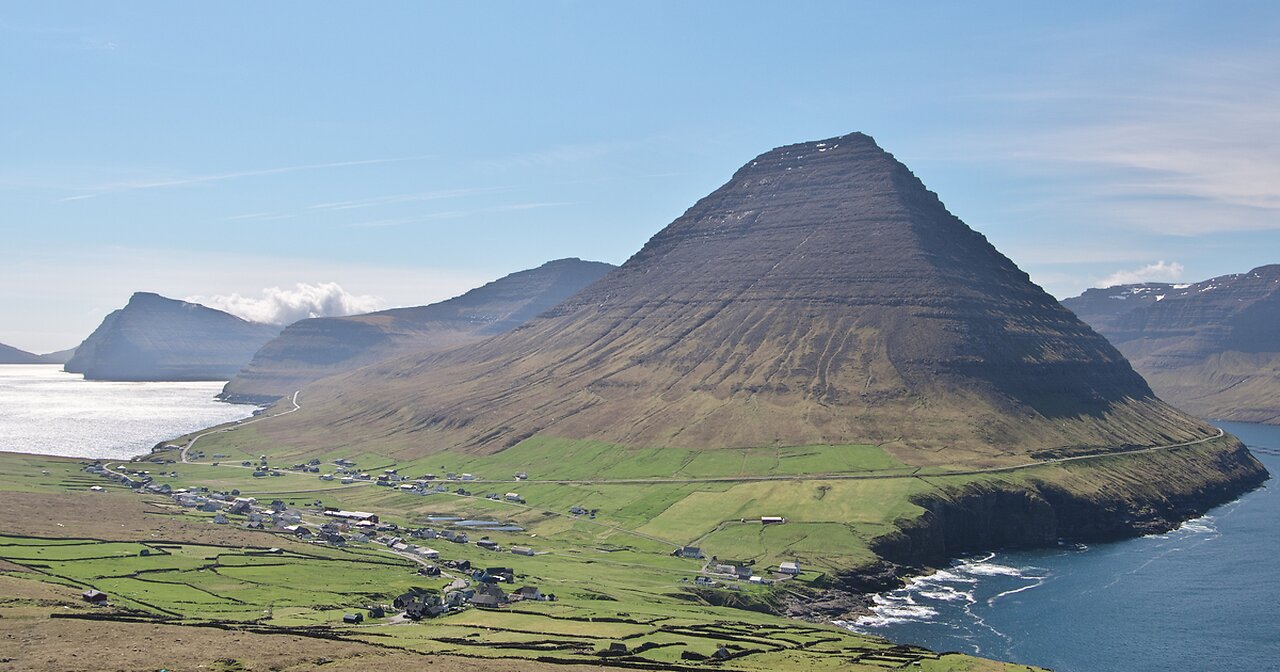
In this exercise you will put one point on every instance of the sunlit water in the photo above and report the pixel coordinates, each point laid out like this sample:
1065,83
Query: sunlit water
46,411
1203,597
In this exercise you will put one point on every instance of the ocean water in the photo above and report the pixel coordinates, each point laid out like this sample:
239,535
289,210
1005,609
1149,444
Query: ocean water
1203,597
44,410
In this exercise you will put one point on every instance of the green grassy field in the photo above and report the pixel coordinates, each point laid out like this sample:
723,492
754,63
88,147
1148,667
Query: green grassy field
613,572
614,576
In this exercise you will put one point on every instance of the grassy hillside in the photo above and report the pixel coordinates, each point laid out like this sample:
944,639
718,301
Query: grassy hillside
163,564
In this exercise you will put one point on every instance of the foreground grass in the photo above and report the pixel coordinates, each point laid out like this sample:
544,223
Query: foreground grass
614,576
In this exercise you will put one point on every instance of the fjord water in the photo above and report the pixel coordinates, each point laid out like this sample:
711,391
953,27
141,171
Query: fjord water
46,411
1203,597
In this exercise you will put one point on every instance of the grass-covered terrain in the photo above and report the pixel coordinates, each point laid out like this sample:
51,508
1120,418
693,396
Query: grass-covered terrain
613,576
603,522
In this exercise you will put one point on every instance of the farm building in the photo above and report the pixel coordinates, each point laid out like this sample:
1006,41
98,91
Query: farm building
692,552
354,516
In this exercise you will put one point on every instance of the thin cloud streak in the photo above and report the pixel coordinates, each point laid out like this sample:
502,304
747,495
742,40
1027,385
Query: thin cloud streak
450,214
438,195
219,177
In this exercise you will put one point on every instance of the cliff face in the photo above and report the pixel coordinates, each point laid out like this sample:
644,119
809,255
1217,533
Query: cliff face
822,295
1101,500
154,338
12,355
312,349
1212,347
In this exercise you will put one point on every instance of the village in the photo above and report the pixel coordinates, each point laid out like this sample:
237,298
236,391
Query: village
471,586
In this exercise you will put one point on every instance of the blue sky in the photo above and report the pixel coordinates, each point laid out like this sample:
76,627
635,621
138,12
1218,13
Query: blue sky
410,151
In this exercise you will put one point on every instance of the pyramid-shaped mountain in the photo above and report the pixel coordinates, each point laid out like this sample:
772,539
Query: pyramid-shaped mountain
823,295
311,349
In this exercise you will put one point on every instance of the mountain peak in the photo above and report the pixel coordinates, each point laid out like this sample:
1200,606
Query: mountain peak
822,295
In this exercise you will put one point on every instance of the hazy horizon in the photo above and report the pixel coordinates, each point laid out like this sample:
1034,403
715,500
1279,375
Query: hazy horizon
358,159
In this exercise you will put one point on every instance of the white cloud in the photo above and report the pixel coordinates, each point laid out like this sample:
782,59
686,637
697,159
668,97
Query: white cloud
286,306
1160,271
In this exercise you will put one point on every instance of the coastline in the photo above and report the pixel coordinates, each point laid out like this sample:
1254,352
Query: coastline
1133,496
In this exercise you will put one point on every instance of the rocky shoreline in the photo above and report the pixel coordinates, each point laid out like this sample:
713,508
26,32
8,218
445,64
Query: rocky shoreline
1128,498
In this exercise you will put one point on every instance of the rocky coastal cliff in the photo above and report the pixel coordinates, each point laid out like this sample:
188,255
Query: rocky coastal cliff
157,339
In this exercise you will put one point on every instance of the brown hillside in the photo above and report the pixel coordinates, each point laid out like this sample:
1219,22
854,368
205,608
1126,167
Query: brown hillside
822,295
318,347
1211,347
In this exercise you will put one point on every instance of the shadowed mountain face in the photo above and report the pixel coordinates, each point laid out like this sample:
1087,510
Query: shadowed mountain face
58,357
1212,347
822,295
154,338
12,355
312,349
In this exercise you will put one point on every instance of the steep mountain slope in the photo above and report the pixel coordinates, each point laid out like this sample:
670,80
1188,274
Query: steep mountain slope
822,296
12,355
1212,347
155,338
312,349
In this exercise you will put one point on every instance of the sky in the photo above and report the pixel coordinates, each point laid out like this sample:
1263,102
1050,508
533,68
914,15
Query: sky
292,158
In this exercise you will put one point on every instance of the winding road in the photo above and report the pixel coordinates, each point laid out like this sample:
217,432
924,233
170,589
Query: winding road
293,400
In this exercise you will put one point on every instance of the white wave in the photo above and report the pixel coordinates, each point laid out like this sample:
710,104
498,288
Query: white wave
1039,581
944,576
990,569
947,594
1202,525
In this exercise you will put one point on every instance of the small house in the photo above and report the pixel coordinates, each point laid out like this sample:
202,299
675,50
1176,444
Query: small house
488,596
219,519
772,520
352,619
522,550
577,511
528,593
520,475
488,545
94,597
791,568
692,552
513,497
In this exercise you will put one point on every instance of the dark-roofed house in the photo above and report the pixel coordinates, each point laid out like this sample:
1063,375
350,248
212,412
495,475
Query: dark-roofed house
94,596
688,552
528,593
353,618
488,596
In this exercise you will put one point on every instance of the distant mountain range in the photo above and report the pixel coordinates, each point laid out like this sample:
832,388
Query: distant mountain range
155,338
312,349
822,296
12,355
1212,347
